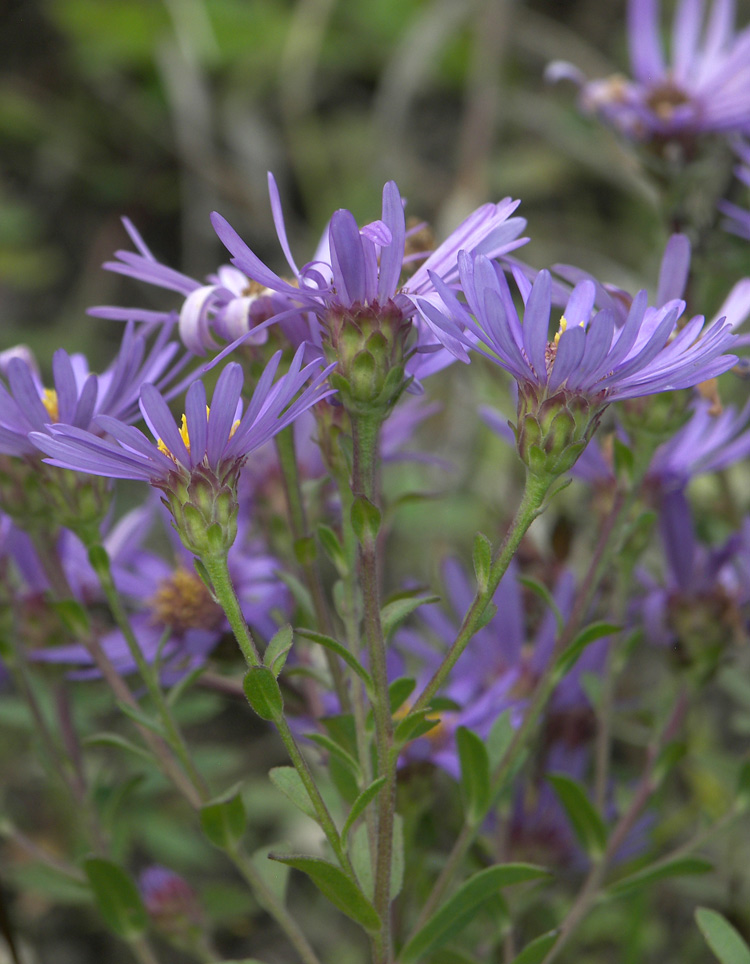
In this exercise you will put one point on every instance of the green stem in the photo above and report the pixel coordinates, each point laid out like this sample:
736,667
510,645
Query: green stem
365,432
218,571
269,901
535,492
149,675
143,951
298,521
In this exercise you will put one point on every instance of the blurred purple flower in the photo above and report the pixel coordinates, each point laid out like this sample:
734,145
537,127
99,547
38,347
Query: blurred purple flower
79,397
703,88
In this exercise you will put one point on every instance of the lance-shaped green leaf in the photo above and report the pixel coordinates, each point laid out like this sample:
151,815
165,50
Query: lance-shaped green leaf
183,685
114,739
335,646
263,693
138,716
365,519
334,884
584,818
536,950
223,819
290,783
475,774
680,867
333,548
499,739
278,650
361,858
462,906
415,725
117,898
723,939
337,750
399,692
571,654
360,805
395,611
546,596
482,557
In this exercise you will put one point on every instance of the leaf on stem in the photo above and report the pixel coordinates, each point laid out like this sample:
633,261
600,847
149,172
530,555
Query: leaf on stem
680,867
360,805
114,739
462,906
117,898
399,692
334,884
335,646
333,549
395,611
263,693
278,650
223,819
723,939
571,654
545,595
583,817
536,950
475,774
361,858
482,557
290,783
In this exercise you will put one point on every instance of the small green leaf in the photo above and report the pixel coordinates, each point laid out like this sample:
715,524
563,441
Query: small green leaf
305,550
263,693
582,815
223,819
117,898
475,774
114,739
536,950
395,612
333,548
681,867
463,905
278,650
499,739
334,884
546,596
337,750
361,858
488,614
482,557
360,804
137,715
415,725
365,519
570,655
301,595
723,939
333,644
74,617
399,692
290,783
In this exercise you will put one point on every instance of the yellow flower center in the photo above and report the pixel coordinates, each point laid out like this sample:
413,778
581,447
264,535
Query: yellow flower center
183,602
184,435
562,328
49,400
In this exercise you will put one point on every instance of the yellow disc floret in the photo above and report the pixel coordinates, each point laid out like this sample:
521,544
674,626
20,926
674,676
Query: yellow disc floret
49,400
186,437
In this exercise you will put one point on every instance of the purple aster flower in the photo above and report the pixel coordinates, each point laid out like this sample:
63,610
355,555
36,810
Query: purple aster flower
78,396
565,384
170,901
211,438
230,306
703,88
359,271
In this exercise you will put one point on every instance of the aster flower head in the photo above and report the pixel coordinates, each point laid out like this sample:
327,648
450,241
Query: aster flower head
197,465
702,86
358,307
564,384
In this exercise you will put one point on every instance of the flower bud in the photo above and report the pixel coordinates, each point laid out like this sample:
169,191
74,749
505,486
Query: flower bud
204,507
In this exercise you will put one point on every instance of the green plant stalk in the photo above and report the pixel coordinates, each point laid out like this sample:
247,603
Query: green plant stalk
148,674
268,900
284,442
218,571
143,951
351,629
541,695
532,503
592,884
366,438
